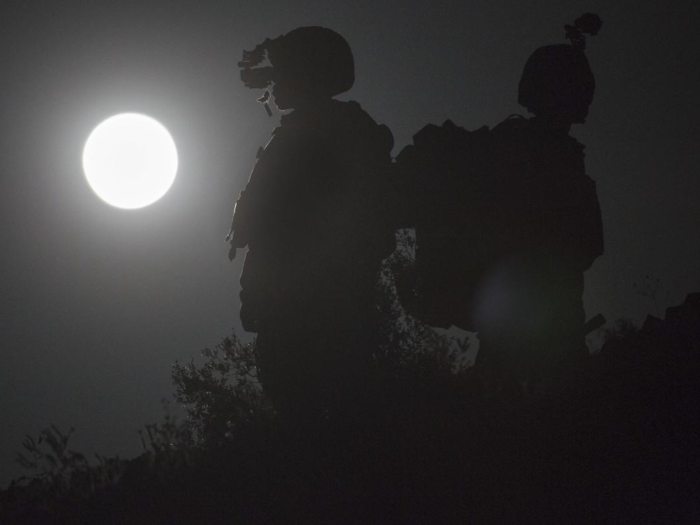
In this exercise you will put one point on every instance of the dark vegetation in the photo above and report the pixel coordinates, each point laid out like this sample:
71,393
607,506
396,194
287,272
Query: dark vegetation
437,442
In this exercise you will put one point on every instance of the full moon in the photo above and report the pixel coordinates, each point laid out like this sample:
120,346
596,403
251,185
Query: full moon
130,160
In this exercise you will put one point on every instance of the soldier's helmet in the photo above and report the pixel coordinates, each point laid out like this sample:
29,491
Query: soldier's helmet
313,57
557,79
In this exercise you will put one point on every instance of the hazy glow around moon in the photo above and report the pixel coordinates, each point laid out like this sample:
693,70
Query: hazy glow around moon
130,160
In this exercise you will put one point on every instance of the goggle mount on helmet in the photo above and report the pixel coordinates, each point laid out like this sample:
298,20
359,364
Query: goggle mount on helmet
257,77
588,23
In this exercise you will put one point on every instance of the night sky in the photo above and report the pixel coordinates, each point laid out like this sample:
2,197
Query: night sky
96,303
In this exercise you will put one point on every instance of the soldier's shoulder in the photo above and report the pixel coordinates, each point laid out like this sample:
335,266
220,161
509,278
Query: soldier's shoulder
349,112
351,118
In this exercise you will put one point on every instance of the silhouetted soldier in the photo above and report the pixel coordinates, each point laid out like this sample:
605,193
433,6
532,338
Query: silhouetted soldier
546,227
311,216
507,221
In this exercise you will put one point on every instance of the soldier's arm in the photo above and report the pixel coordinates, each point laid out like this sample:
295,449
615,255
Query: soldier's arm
247,208
579,225
592,218
239,233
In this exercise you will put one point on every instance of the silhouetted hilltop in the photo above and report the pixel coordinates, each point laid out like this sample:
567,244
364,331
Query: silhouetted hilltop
437,445
646,411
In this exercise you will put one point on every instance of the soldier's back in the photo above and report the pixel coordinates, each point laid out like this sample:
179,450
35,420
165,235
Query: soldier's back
548,201
550,231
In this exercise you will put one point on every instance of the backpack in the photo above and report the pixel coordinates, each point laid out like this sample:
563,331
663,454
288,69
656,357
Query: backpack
443,177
